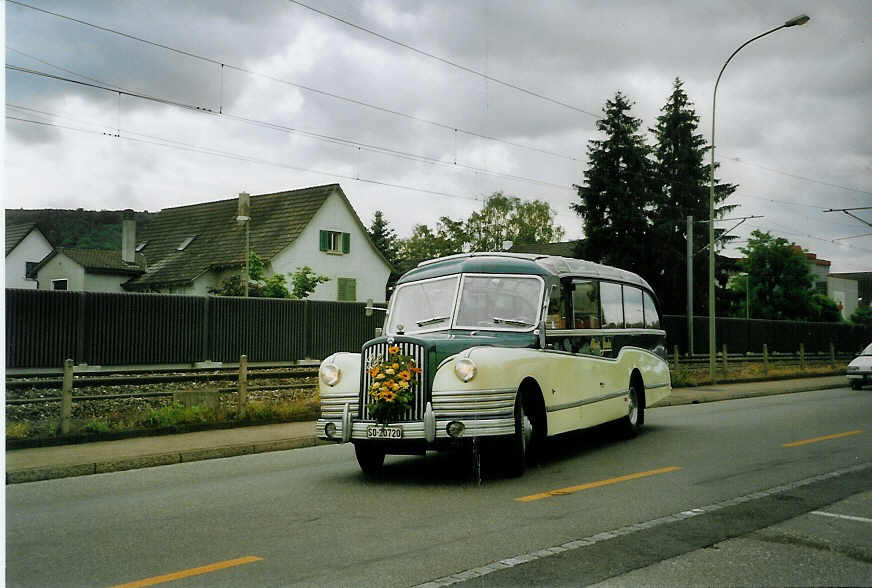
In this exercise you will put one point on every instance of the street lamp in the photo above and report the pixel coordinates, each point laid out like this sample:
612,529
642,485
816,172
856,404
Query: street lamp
799,20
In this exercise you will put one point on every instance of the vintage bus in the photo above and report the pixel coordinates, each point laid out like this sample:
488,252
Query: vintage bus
499,348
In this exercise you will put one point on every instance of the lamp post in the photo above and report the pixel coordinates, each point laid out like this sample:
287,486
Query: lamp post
799,20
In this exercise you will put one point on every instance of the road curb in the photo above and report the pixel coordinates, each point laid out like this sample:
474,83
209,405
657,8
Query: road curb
699,395
157,459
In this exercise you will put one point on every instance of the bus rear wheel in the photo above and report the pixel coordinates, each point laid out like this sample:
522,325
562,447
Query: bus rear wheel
631,423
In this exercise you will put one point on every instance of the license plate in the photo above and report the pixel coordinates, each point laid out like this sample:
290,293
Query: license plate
384,432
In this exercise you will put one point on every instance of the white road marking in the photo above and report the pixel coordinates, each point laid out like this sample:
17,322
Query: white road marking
838,516
592,540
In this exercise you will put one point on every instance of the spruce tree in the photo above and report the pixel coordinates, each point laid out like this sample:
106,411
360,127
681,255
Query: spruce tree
681,182
616,196
384,237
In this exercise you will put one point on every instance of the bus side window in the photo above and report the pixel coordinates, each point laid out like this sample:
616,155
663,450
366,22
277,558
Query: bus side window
613,306
556,309
633,313
585,304
652,319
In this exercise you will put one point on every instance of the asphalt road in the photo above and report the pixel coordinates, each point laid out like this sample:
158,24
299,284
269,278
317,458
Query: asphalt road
597,508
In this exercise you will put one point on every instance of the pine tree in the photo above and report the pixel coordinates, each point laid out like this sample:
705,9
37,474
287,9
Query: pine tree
681,181
384,237
617,195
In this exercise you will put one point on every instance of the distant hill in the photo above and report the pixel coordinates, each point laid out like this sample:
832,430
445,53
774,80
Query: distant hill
86,229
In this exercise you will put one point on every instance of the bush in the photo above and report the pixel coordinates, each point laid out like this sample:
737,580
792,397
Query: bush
862,316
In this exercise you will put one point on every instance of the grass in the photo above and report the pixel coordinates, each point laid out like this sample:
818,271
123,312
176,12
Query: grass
687,375
173,417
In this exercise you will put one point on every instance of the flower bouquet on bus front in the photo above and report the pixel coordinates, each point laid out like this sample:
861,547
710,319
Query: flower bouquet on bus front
394,380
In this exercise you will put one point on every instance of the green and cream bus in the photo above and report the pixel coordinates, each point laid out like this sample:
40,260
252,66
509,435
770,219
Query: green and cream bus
498,348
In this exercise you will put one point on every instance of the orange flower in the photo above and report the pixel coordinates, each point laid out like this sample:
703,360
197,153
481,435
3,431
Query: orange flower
374,371
393,350
405,375
416,370
388,396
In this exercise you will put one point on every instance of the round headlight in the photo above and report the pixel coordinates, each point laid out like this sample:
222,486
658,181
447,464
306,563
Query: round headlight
329,374
465,369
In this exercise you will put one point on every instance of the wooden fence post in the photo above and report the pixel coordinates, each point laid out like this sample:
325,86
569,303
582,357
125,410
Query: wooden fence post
675,351
243,386
832,355
765,358
67,397
802,357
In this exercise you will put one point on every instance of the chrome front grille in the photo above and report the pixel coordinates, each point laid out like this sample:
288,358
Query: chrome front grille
380,351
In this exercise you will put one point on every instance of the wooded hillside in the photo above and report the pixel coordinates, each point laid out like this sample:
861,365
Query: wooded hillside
86,229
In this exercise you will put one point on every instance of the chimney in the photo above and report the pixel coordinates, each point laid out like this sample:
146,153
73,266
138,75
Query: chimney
128,237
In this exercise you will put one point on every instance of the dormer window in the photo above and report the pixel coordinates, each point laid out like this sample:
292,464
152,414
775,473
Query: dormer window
185,243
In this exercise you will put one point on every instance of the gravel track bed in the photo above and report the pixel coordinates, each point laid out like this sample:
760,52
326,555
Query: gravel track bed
85,410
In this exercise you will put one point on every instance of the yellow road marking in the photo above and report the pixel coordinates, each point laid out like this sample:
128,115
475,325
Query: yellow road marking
192,572
589,485
824,438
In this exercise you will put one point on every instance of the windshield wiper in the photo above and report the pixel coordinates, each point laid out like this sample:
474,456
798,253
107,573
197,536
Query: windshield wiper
430,321
513,322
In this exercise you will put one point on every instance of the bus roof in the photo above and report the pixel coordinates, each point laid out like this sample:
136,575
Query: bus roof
520,263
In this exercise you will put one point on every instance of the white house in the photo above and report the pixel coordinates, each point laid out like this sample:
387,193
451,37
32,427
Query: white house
190,249
26,246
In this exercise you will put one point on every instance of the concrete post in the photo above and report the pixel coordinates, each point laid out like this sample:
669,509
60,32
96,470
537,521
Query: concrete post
675,351
765,358
243,386
802,357
725,357
67,397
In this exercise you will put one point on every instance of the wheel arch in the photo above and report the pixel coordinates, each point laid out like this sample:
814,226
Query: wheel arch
637,380
533,402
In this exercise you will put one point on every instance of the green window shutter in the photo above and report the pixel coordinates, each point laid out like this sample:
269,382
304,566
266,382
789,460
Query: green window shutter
347,289
346,242
324,237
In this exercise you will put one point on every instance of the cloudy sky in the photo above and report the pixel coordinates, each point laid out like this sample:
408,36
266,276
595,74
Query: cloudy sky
423,108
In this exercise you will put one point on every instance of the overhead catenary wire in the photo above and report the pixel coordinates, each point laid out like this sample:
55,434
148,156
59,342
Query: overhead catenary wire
449,127
447,61
311,89
283,128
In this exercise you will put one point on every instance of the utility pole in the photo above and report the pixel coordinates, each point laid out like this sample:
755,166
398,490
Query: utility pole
243,211
690,285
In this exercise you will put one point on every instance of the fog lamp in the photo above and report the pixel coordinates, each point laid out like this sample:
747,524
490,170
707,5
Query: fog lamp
330,429
329,374
455,429
465,369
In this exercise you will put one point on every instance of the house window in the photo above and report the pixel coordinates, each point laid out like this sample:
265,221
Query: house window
335,242
58,284
30,269
347,289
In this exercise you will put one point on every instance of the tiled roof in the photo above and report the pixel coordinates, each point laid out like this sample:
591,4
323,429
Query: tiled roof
276,222
15,234
560,249
102,260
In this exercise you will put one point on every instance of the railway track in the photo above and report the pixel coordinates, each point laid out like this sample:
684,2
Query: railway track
31,382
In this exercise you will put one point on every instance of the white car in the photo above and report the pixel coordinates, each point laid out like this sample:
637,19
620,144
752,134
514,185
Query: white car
860,369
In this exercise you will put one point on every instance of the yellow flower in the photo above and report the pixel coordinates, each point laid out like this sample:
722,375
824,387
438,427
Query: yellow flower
389,371
395,365
388,396
405,375
393,350
404,385
380,377
374,371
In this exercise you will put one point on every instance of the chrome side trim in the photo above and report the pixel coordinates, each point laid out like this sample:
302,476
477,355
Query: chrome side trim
586,401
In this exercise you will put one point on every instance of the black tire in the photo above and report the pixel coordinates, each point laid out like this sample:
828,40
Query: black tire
370,457
519,444
631,423
856,384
